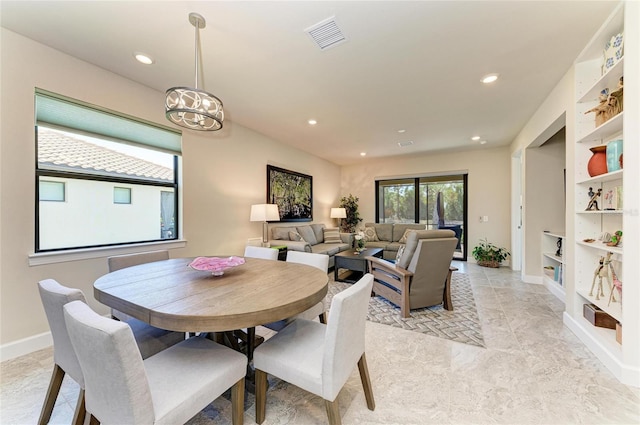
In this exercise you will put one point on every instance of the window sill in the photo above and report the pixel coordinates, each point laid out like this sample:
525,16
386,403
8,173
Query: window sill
85,254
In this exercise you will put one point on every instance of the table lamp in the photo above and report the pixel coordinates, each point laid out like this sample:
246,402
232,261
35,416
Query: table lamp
264,213
338,213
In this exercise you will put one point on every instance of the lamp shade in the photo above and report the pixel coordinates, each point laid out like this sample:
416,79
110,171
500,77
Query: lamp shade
264,212
338,213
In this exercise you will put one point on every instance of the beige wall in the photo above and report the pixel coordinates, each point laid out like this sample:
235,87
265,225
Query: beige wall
489,185
223,174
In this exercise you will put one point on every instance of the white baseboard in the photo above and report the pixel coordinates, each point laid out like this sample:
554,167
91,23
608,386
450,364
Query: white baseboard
527,278
624,373
25,346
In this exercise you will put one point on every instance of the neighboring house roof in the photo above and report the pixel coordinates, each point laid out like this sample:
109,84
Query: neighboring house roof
59,151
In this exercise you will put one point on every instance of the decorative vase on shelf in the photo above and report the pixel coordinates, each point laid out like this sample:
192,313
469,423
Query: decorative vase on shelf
598,162
614,155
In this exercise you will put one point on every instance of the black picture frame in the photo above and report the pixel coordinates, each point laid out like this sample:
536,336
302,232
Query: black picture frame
292,192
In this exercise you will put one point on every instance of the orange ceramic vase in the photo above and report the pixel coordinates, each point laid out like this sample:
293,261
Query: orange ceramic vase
598,162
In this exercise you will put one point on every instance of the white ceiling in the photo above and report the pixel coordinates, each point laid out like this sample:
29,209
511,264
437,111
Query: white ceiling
412,65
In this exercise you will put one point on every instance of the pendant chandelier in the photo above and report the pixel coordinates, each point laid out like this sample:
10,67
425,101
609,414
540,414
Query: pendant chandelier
191,107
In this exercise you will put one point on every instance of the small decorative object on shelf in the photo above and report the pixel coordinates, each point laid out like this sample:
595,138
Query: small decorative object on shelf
215,265
598,162
597,317
616,283
593,201
602,271
614,155
613,52
616,239
489,255
559,250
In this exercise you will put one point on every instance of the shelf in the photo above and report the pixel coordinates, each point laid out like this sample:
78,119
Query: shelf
609,128
553,257
601,212
614,309
555,235
607,177
608,80
601,247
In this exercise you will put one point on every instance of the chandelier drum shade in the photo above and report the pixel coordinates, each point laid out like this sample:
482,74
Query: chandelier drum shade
194,108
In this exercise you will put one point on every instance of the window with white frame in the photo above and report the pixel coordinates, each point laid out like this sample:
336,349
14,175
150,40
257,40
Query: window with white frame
95,163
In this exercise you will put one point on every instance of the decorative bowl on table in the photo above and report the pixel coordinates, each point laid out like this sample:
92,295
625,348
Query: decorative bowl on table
215,265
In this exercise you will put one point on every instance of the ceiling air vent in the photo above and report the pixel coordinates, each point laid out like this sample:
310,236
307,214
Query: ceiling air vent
326,34
405,144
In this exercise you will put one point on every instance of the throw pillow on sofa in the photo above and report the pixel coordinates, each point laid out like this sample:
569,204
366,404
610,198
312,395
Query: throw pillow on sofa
403,239
295,236
307,234
370,234
332,236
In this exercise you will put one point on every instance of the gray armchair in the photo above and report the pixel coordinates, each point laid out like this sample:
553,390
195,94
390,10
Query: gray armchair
422,275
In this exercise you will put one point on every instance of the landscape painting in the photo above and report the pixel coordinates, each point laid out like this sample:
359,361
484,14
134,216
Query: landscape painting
291,191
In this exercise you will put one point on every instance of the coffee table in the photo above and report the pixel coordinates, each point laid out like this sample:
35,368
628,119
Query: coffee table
355,264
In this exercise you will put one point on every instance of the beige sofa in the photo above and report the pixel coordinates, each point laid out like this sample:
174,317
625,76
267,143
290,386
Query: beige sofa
389,235
312,239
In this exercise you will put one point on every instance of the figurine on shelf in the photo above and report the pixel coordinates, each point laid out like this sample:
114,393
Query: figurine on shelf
615,239
602,271
593,202
616,283
559,250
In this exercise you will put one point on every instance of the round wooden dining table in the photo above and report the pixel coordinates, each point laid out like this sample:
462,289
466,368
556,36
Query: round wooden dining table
171,295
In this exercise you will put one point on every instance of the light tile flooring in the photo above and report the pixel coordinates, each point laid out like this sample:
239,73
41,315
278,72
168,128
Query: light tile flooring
532,371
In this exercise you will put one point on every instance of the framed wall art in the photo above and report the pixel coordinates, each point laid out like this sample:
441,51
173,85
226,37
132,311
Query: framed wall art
292,192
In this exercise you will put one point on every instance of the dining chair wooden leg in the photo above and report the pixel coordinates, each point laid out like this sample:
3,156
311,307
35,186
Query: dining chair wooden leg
237,402
52,394
366,382
79,414
323,317
261,395
333,412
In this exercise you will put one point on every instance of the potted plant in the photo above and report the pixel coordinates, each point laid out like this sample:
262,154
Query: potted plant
350,204
489,255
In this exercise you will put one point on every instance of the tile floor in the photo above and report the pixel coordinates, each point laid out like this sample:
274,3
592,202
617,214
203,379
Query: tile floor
532,371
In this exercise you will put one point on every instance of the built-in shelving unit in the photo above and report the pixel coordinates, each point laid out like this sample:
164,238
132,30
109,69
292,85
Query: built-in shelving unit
553,264
588,249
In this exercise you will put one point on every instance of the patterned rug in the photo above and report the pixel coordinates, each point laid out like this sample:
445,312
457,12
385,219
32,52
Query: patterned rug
460,325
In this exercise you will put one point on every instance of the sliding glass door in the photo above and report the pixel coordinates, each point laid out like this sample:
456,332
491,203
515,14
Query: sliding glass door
438,202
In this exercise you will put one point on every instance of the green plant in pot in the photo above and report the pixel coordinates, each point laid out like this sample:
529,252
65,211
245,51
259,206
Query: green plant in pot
489,255
350,204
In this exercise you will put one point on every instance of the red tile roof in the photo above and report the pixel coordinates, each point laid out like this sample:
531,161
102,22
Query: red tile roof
59,151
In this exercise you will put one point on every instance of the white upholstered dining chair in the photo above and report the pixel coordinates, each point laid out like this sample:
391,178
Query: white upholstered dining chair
261,252
167,388
321,262
54,296
293,355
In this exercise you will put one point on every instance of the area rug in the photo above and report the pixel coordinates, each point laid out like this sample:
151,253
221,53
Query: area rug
460,325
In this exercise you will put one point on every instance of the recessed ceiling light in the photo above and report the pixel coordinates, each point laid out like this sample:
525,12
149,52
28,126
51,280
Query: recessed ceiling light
475,138
483,142
363,154
401,131
143,58
312,122
489,78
